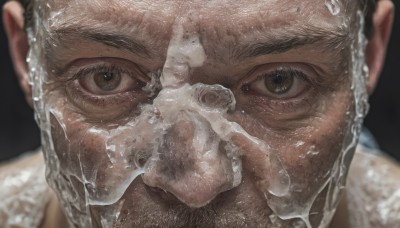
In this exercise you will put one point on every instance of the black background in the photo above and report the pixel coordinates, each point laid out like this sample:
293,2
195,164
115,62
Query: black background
18,131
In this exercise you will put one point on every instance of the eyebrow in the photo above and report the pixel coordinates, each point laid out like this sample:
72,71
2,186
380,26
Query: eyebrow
285,40
277,41
114,40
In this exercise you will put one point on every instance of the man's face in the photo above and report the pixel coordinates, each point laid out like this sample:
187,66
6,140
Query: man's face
216,113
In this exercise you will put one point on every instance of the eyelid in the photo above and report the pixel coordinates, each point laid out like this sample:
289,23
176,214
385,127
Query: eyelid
125,66
101,68
298,74
104,107
127,81
259,71
107,106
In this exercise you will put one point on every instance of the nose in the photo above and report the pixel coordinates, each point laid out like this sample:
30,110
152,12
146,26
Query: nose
192,163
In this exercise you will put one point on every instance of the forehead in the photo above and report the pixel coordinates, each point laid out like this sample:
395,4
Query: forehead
183,6
242,15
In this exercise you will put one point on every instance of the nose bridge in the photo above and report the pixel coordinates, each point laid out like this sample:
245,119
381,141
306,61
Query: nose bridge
178,143
185,147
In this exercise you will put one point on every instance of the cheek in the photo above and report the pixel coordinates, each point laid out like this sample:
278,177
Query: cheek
75,144
97,159
81,152
308,153
309,159
311,152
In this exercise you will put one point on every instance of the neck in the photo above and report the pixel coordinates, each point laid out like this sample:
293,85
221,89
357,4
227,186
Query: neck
54,217
341,217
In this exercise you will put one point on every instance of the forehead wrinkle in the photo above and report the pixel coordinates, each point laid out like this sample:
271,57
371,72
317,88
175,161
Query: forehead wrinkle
101,35
282,19
285,39
113,16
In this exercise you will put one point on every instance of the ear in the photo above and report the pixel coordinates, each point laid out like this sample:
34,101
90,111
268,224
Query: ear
377,44
13,20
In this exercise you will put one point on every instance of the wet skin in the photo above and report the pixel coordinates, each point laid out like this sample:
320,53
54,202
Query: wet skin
305,118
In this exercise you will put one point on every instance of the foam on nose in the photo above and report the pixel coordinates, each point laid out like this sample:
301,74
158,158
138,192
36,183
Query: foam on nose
191,162
184,52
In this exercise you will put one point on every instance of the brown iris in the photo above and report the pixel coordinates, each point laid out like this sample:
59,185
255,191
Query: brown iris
107,81
279,82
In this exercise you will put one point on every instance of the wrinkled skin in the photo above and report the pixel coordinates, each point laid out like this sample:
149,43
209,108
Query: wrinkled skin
307,126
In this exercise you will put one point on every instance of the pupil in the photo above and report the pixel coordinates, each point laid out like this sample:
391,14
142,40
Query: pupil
108,76
278,79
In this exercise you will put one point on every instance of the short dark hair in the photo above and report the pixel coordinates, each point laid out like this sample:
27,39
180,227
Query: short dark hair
28,13
367,6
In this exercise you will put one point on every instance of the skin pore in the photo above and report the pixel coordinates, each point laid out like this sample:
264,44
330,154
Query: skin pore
287,63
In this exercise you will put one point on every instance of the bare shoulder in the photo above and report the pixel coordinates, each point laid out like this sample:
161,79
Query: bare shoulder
14,165
373,190
23,191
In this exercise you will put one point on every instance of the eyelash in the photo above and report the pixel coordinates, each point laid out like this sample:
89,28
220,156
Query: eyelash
283,105
295,73
98,69
289,71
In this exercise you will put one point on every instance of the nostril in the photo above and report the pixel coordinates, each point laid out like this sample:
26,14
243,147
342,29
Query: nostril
141,162
170,200
141,157
194,193
161,193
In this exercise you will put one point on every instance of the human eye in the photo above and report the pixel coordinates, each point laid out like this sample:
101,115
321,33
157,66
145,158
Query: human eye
283,82
106,79
280,87
105,89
